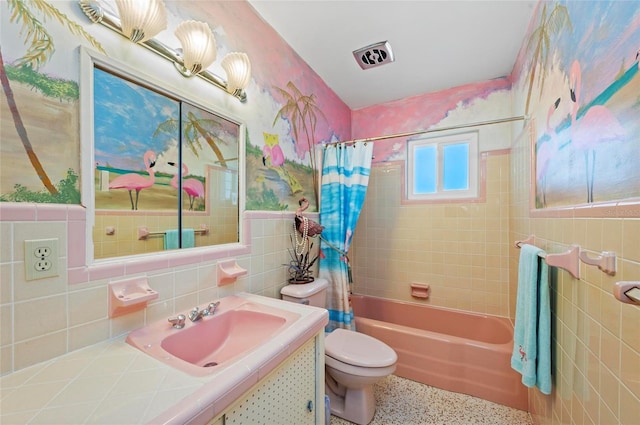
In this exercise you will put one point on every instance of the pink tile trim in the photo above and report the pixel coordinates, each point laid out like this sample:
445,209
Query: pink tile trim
184,258
140,265
270,214
628,208
51,212
106,271
78,275
77,212
10,211
76,243
136,213
76,216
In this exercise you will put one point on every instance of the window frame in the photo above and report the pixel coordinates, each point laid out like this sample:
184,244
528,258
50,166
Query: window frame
439,142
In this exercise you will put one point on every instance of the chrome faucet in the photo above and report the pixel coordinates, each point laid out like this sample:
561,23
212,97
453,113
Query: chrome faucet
197,314
178,322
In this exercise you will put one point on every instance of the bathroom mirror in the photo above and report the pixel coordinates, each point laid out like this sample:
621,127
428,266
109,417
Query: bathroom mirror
165,166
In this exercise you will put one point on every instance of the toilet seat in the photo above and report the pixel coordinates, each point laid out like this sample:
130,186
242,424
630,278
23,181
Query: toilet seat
357,349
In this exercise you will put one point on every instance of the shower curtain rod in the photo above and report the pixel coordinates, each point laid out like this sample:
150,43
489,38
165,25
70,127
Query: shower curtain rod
414,133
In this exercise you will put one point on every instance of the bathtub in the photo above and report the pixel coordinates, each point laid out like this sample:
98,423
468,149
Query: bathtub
453,350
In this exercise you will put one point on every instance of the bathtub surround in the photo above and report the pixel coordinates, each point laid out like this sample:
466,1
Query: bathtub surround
459,249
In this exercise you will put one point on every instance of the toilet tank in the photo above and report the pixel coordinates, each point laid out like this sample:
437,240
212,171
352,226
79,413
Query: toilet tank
313,293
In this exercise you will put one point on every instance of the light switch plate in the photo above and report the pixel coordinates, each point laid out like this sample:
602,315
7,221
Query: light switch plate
40,258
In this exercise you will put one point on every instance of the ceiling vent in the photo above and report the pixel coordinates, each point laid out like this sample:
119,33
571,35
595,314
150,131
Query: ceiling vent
374,55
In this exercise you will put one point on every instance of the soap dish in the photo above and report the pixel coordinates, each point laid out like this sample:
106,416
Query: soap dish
229,271
129,295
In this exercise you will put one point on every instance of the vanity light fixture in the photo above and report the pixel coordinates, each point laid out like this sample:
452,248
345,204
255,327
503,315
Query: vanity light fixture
198,44
238,69
142,19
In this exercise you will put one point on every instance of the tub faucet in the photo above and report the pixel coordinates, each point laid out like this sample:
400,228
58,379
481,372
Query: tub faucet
178,322
197,314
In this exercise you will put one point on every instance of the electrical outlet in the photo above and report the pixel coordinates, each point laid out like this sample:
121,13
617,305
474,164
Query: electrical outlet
40,258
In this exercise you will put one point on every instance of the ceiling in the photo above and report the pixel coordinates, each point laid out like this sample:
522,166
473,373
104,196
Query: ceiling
437,44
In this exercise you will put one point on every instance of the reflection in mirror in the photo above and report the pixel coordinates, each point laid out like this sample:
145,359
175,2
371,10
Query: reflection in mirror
162,164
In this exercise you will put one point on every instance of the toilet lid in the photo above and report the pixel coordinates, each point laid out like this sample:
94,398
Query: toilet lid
358,349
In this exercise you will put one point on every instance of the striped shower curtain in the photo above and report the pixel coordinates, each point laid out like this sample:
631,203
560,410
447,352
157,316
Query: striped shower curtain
345,176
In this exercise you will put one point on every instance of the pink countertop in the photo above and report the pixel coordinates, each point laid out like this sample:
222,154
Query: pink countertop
113,382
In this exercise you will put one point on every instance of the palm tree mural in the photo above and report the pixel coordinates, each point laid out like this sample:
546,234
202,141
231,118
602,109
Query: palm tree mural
40,47
302,113
193,129
540,42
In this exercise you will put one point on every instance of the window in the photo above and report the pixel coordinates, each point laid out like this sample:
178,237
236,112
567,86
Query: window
442,168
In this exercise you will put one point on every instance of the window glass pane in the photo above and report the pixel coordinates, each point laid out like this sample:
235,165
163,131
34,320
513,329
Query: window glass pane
424,165
456,167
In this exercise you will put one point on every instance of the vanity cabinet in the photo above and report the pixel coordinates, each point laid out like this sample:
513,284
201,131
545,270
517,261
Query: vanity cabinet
291,394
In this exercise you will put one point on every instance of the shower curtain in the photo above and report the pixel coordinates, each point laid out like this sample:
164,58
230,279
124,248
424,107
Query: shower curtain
345,176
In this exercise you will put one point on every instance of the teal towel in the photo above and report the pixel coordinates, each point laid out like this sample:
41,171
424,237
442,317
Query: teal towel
171,239
532,334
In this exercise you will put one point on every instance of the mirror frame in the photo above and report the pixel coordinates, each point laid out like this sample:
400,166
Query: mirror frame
89,58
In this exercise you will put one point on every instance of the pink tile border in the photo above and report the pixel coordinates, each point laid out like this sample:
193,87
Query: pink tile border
76,219
628,208
17,212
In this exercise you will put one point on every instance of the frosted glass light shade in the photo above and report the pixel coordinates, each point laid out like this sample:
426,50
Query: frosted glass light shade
142,19
198,45
238,69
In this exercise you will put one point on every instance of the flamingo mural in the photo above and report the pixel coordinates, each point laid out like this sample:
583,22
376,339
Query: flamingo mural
193,187
273,158
596,125
546,151
134,181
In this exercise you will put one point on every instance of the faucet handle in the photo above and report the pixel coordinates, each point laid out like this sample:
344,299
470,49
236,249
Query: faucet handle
211,308
178,322
193,314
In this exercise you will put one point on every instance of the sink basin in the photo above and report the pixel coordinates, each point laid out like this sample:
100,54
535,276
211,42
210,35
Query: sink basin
238,327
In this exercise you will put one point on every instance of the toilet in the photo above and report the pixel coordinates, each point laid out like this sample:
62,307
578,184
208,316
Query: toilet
354,362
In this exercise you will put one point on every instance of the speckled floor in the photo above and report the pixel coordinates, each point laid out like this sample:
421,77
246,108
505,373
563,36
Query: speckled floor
404,402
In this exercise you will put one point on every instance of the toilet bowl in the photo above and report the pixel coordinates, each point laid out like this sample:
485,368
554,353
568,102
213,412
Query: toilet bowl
354,362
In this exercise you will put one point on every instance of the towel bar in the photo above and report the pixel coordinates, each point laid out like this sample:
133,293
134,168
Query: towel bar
568,260
143,232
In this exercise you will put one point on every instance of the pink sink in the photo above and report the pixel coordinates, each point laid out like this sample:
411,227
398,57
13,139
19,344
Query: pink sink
200,348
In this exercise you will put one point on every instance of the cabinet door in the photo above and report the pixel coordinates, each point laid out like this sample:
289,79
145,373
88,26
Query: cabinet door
286,396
